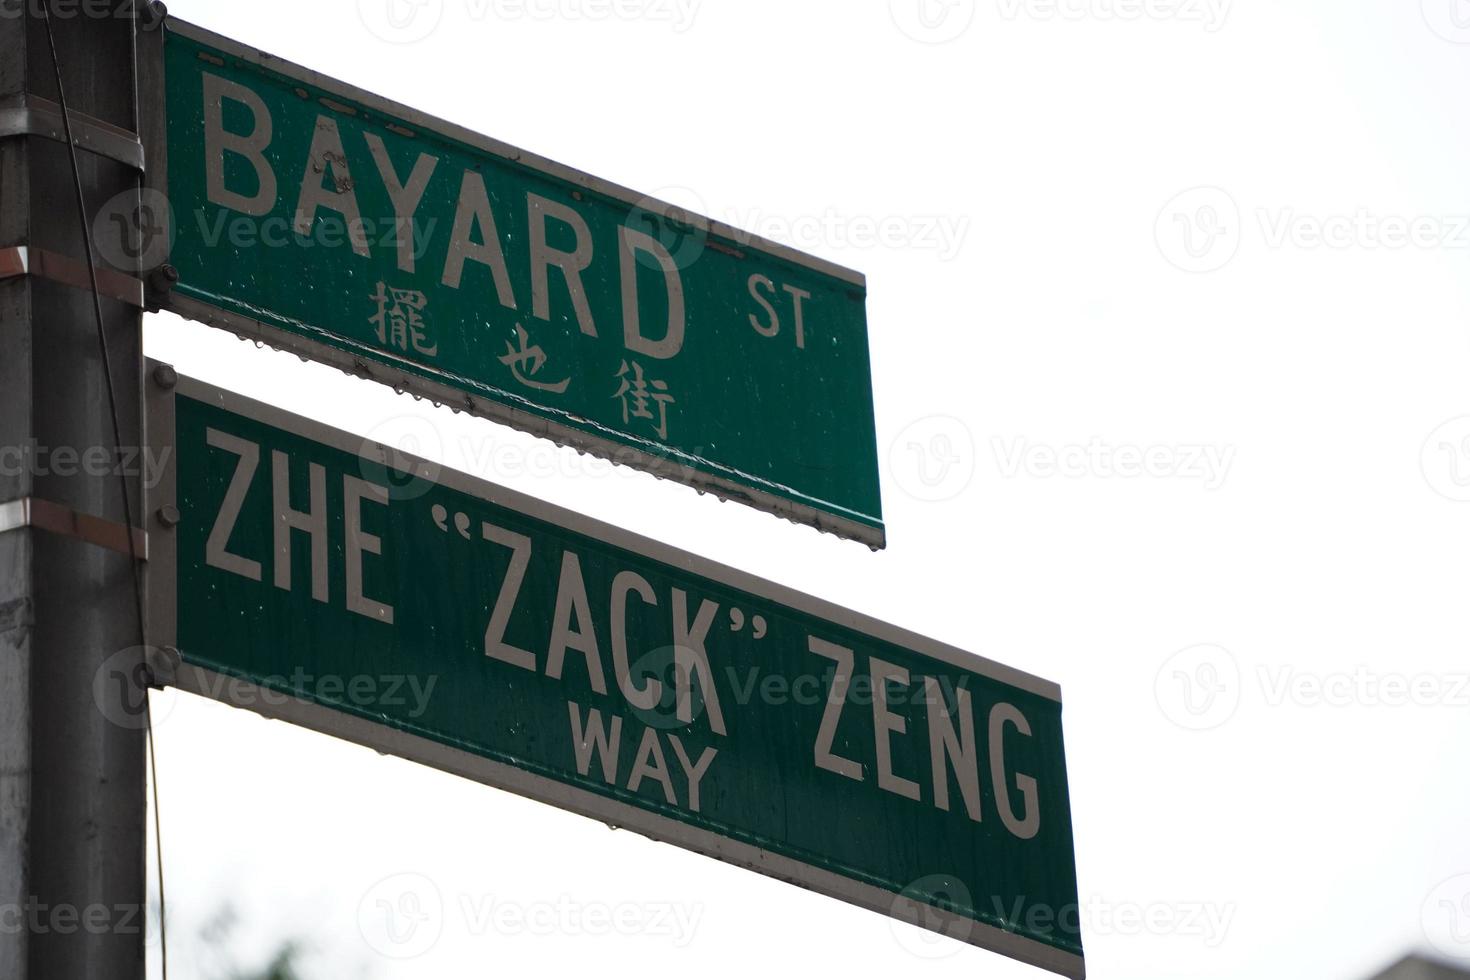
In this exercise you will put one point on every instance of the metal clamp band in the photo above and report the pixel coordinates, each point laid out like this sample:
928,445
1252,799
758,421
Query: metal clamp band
46,516
35,116
23,260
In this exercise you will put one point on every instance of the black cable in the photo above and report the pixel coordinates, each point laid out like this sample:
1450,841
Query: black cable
117,457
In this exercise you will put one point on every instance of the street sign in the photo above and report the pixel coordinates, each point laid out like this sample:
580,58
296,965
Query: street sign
343,587
326,221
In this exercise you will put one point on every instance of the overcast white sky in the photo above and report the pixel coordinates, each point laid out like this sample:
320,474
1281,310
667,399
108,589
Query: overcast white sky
1090,228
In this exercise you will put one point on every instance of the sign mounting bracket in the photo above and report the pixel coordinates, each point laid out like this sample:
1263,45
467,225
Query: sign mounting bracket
35,116
26,260
58,519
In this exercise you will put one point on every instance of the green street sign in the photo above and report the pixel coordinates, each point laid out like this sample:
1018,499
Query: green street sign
340,586
326,221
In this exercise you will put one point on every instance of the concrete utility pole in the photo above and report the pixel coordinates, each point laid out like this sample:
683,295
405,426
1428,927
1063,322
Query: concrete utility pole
72,751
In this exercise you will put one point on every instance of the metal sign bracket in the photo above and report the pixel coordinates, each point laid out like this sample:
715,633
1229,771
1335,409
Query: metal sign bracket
32,115
59,519
24,260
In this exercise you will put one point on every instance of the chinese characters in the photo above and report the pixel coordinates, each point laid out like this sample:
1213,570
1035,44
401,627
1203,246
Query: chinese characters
642,398
527,360
400,321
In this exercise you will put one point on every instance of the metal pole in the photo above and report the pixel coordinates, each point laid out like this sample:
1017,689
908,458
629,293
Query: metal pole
72,776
